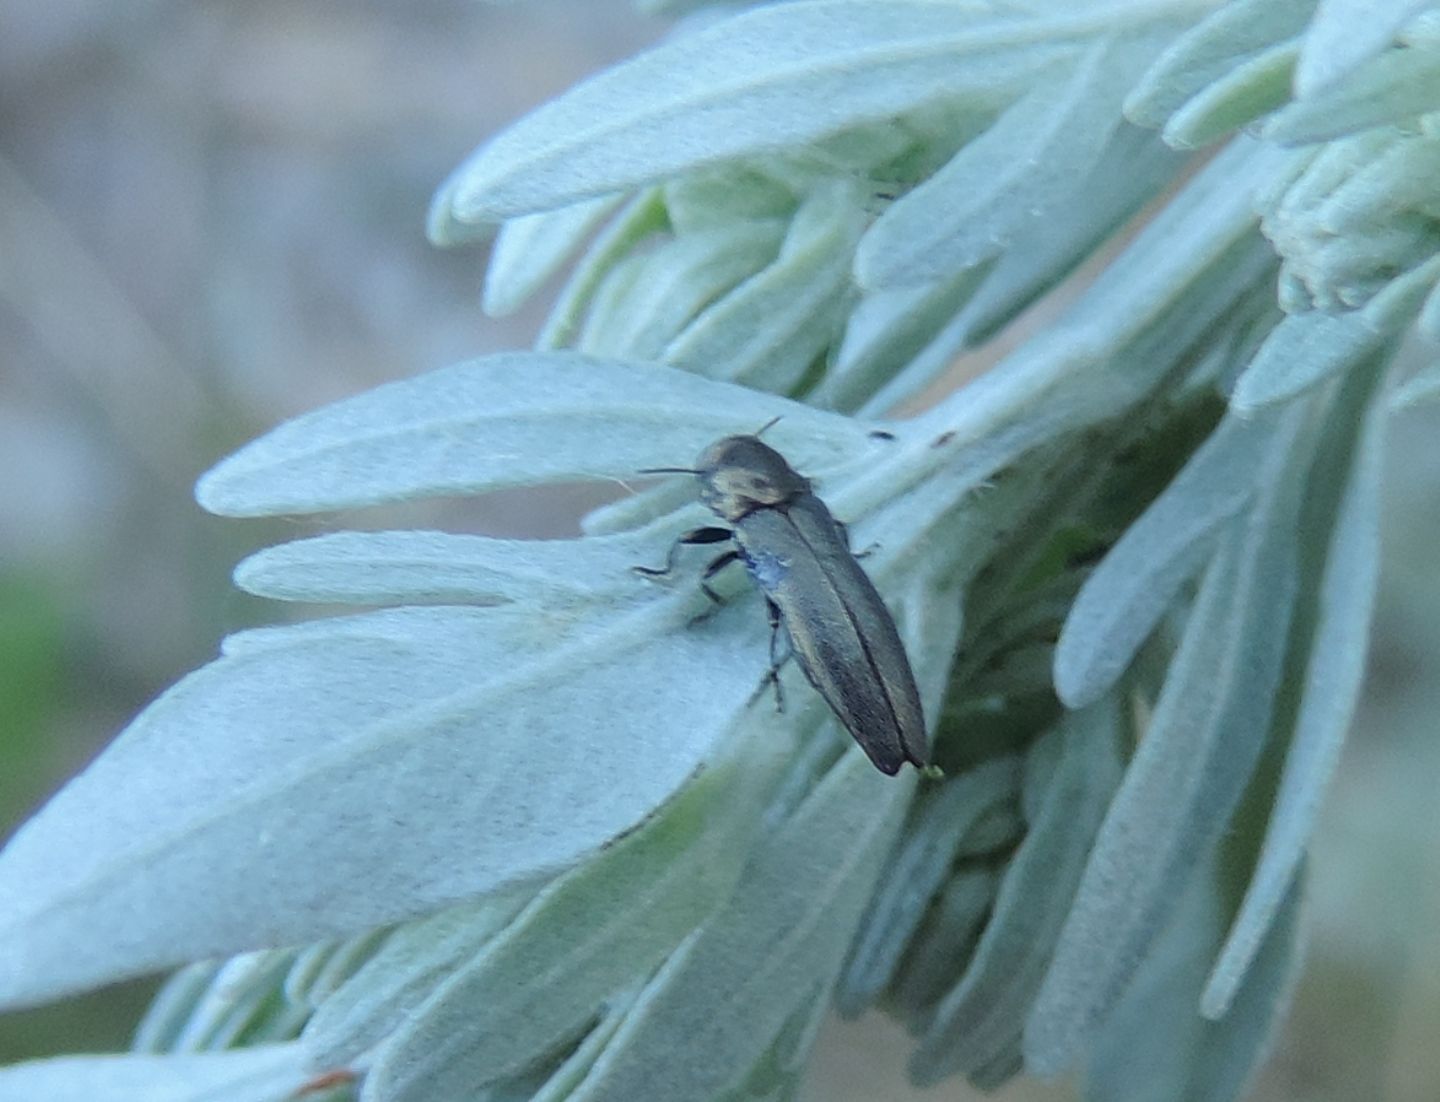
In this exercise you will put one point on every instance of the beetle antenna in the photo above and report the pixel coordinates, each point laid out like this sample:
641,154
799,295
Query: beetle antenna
667,470
761,430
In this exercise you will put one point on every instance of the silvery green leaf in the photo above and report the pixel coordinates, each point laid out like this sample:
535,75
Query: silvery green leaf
1192,764
322,969
413,961
602,928
1132,169
237,995
1424,385
372,568
777,1075
886,330
511,419
529,249
999,183
1334,670
1139,579
1129,172
650,297
272,1073
170,1009
402,727
722,197
1302,351
978,1024
1253,88
640,218
771,328
1233,34
1192,1058
561,1082
1305,349
939,951
639,509
749,85
1193,251
1395,87
723,997
443,229
1344,34
938,823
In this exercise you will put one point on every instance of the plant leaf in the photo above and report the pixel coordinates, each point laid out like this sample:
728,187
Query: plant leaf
916,872
721,1000
374,568
1232,35
1395,87
1124,598
996,187
1252,88
512,419
650,297
982,1018
1344,34
770,328
415,958
602,928
1334,670
1191,1058
320,780
528,250
1192,764
748,85
270,1073
1305,349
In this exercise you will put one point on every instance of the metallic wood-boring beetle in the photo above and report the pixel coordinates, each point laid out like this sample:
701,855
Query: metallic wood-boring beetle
799,555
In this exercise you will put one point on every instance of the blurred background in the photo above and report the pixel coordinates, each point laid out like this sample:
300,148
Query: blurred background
211,219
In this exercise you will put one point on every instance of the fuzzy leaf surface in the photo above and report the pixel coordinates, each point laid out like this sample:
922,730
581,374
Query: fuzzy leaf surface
320,780
774,77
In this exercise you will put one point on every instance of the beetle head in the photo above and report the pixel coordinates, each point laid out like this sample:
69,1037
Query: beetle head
739,474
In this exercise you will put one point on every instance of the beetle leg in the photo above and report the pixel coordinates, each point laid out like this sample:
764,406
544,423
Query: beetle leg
773,676
717,565
707,534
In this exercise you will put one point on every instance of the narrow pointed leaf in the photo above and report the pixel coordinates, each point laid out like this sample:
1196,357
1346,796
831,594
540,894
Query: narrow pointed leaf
981,1020
1191,767
1395,87
1001,182
531,248
442,568
417,957
512,419
1123,600
603,928
1334,671
1192,1058
650,297
916,873
1231,35
1250,90
748,85
721,1000
771,328
318,781
1345,34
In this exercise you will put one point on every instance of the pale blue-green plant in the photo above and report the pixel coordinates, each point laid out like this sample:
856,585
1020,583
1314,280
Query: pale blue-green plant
524,831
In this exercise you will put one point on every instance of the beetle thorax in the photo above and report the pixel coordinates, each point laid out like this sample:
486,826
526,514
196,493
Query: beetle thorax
740,474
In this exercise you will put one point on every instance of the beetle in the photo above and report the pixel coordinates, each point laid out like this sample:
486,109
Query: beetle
840,631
